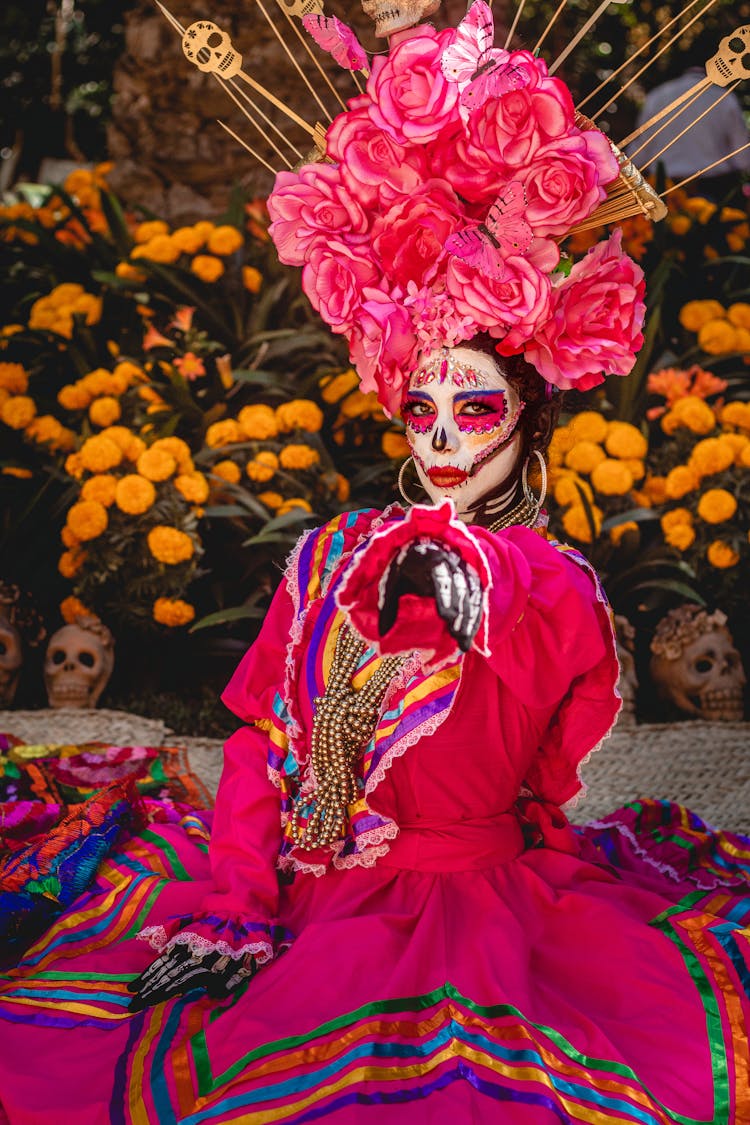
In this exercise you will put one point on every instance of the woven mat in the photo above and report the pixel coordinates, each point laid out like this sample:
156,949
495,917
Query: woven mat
705,766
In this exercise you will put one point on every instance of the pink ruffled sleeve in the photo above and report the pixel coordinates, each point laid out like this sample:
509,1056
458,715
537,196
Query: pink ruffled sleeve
238,916
545,631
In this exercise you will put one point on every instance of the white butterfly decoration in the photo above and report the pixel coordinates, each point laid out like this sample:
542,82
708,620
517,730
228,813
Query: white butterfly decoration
480,70
503,233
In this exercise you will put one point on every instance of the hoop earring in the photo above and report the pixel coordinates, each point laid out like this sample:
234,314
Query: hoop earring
534,501
401,488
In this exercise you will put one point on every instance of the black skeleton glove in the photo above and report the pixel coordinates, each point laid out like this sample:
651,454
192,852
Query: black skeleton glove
178,971
429,569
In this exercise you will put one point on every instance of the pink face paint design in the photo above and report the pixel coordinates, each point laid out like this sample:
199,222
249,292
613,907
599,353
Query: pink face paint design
419,413
480,412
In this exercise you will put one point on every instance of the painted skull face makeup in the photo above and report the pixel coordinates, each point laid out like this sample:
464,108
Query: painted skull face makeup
461,416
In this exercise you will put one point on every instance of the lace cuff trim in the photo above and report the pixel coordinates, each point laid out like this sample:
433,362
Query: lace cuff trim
229,937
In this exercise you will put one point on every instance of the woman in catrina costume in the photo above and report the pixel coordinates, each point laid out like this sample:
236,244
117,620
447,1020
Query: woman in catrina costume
395,921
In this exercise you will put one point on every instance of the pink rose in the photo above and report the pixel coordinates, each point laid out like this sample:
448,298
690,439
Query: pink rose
412,99
370,158
510,129
597,316
382,345
409,239
308,207
510,308
334,280
564,182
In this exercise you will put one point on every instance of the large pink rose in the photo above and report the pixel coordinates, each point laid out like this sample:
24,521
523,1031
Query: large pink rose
509,130
564,182
334,280
409,239
382,345
370,159
308,207
412,99
510,308
597,316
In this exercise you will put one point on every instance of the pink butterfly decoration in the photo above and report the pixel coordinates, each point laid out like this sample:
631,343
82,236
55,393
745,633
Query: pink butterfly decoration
480,70
338,39
503,233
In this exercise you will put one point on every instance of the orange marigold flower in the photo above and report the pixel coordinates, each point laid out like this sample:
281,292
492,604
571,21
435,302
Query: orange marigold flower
71,562
73,397
170,545
588,425
394,445
299,414
272,500
148,230
739,314
188,240
334,387
717,337
207,268
178,449
299,457
156,464
134,494
13,378
228,471
72,608
101,488
225,240
695,314
100,453
74,465
584,457
252,279
224,433
343,489
17,472
620,530
263,467
258,422
677,517
717,506
292,503
721,555
612,478
691,413
625,441
17,412
173,612
681,536
577,525
104,411
736,414
87,520
193,486
680,481
710,456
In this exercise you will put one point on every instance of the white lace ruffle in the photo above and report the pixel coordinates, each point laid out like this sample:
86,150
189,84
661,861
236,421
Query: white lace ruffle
199,945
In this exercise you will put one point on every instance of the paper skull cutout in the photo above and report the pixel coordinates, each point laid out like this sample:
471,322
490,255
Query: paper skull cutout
627,685
732,60
78,664
695,665
302,8
391,16
211,50
11,659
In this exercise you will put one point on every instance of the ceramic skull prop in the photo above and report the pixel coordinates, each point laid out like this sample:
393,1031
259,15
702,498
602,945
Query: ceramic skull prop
11,658
302,8
732,60
627,685
695,665
78,664
391,16
211,50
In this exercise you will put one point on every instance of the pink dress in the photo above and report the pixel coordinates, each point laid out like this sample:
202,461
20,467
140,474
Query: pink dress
465,956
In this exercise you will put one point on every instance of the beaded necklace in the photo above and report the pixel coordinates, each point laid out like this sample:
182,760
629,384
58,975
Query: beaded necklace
344,722
524,514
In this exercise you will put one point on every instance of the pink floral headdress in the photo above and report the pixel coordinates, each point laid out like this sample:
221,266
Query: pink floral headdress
439,216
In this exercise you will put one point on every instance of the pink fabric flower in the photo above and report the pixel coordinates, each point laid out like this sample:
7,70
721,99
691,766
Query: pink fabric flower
310,206
435,319
369,157
518,302
409,239
411,98
564,181
510,129
382,345
597,315
334,279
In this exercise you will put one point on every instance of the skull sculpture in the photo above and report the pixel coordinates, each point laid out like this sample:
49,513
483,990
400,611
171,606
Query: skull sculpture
211,50
302,8
11,658
732,60
627,685
696,666
79,663
391,16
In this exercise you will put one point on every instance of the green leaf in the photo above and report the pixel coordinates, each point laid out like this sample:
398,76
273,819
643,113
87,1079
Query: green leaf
221,511
637,515
223,616
673,587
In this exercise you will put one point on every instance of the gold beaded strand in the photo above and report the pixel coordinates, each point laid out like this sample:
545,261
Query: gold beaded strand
344,722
